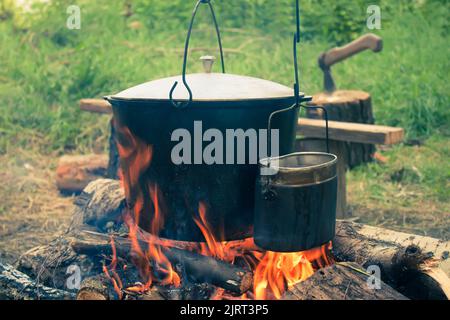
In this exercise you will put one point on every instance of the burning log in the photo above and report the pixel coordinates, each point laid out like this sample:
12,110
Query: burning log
199,268
409,263
346,281
74,173
417,266
15,285
416,274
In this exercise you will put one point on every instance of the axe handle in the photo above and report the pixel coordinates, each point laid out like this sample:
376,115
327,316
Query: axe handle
368,41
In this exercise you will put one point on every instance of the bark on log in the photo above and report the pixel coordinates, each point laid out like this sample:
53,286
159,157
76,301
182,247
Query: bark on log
15,285
417,266
95,288
342,282
101,202
49,264
74,173
199,268
348,106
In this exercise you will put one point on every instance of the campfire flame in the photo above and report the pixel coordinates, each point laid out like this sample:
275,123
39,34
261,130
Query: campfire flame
274,272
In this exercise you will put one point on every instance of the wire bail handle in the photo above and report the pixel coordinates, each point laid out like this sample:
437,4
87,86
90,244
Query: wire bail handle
180,104
270,194
297,82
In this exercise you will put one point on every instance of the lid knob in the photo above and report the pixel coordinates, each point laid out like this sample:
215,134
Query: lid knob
208,62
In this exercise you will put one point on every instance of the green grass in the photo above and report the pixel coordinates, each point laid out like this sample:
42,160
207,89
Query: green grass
45,68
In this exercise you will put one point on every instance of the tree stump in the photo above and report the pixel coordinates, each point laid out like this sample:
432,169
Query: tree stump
348,106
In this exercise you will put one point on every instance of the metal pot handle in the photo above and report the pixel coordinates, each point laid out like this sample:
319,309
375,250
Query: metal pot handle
298,101
180,104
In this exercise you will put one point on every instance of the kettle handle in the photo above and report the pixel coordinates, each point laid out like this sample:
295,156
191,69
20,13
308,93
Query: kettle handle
186,50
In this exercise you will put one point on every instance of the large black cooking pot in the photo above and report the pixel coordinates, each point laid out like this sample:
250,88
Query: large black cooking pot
153,110
220,101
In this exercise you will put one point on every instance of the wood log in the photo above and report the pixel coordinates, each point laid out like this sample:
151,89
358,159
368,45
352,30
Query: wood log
349,106
417,266
353,242
101,202
15,285
95,105
75,172
342,282
95,288
199,268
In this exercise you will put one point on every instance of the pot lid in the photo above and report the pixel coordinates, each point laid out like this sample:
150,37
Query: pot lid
208,87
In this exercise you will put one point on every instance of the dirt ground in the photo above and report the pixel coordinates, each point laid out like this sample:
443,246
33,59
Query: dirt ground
32,211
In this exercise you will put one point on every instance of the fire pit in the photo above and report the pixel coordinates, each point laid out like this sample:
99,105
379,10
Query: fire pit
101,257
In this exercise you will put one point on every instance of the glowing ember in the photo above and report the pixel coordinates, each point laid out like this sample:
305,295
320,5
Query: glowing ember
274,272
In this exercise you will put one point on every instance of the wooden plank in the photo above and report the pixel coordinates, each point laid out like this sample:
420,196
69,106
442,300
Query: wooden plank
96,106
351,132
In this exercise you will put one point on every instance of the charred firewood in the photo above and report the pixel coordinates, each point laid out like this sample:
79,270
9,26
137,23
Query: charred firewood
15,285
196,267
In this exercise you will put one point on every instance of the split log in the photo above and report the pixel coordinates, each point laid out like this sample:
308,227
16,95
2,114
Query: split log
199,268
74,173
342,282
417,266
15,285
349,106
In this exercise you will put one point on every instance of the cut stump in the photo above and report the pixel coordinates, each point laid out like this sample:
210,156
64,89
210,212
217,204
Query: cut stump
348,106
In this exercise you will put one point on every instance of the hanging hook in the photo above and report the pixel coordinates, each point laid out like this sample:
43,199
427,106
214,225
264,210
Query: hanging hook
297,80
297,16
186,50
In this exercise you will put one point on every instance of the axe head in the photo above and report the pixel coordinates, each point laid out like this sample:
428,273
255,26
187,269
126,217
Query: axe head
328,82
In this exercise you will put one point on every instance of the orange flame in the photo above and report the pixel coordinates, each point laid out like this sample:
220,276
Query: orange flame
212,247
274,272
136,156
